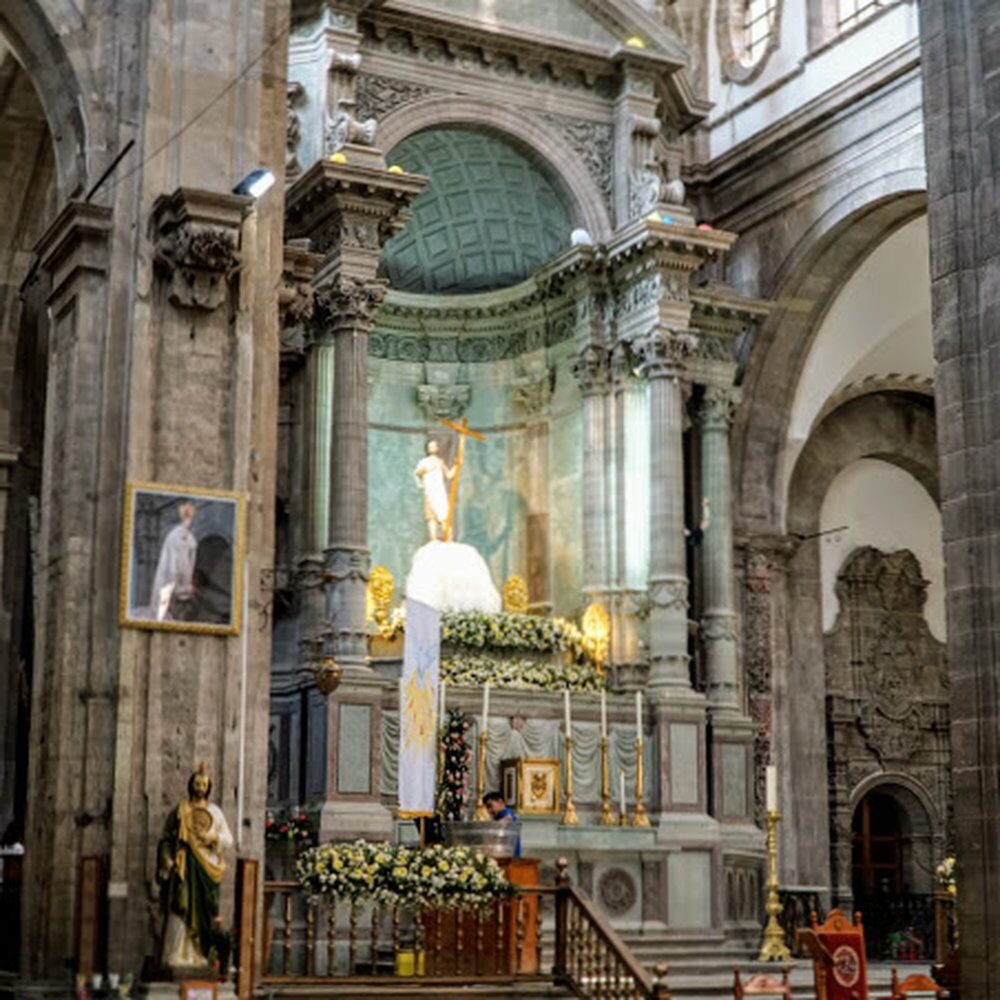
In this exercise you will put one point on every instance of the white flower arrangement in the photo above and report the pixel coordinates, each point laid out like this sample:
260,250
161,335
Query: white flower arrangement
519,672
434,877
946,873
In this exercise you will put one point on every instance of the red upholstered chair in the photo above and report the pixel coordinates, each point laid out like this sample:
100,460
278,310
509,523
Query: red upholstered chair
837,948
761,985
916,982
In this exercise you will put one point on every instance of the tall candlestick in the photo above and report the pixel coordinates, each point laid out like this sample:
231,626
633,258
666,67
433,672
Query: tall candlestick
568,721
772,946
485,724
569,816
638,715
608,817
639,817
621,790
604,714
482,813
772,788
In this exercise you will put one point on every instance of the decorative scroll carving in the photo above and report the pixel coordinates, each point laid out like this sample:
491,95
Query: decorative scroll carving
593,142
377,95
591,370
342,128
669,594
531,392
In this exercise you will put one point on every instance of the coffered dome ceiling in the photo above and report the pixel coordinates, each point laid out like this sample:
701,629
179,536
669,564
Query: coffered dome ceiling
488,218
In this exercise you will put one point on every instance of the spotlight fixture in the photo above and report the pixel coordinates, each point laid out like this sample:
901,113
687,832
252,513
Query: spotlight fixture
255,183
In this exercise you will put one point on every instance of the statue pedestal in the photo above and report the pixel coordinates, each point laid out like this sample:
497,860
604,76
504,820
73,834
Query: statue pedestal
452,576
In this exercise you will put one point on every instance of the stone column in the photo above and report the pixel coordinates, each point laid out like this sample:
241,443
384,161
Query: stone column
718,622
663,353
592,375
960,61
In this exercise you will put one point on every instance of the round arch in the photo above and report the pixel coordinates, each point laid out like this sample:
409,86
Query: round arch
805,286
573,179
884,782
27,27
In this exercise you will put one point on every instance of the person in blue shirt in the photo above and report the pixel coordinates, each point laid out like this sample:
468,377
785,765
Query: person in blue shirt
500,812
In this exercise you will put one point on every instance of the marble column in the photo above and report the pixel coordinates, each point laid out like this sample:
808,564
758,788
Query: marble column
663,355
718,620
592,374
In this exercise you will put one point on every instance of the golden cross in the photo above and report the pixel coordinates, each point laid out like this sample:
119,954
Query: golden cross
463,430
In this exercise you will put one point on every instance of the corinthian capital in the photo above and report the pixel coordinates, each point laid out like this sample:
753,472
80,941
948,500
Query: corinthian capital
718,406
349,304
591,369
664,352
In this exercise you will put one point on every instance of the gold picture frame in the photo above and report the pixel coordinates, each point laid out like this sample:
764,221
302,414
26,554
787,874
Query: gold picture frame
182,559
531,785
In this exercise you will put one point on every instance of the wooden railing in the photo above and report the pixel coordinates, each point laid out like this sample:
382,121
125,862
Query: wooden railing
320,942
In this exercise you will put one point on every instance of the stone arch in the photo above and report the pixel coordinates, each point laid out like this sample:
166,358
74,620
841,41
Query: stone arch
898,428
805,285
535,137
27,27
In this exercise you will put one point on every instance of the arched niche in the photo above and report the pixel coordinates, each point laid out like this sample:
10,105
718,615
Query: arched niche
534,137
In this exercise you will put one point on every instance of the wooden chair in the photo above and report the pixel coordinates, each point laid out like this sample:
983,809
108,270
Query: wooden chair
916,982
761,985
837,948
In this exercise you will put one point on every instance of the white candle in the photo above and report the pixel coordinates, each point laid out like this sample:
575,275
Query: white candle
772,788
638,715
604,714
569,729
621,787
484,725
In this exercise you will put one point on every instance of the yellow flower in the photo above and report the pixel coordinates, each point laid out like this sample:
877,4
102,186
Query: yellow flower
442,866
337,864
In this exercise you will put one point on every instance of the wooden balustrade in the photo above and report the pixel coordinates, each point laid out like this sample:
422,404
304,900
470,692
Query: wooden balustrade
500,943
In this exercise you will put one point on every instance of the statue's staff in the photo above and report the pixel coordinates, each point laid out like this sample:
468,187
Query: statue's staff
463,431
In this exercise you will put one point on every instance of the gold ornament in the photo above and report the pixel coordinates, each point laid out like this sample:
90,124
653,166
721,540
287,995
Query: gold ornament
597,633
378,596
635,42
515,595
327,673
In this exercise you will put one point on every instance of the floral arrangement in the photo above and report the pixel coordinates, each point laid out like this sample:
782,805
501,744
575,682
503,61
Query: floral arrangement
519,672
438,877
453,790
297,825
946,875
480,646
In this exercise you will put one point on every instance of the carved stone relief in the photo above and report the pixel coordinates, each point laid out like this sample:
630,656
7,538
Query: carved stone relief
616,890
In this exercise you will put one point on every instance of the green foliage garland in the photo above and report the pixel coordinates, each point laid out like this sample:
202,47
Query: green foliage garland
453,790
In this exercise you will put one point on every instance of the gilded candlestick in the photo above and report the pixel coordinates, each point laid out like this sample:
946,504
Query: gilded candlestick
773,947
639,817
482,813
608,817
569,816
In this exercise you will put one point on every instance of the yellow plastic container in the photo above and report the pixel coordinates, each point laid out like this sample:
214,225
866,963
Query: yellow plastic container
410,964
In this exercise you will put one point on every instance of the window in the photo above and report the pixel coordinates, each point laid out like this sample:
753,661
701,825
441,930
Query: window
853,12
747,34
758,27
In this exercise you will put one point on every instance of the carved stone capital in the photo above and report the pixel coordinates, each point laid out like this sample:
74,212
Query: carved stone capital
663,353
349,304
196,239
717,407
531,393
669,593
296,294
443,402
591,369
622,364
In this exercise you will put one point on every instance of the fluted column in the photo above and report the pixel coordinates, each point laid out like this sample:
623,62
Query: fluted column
592,374
718,622
662,363
351,307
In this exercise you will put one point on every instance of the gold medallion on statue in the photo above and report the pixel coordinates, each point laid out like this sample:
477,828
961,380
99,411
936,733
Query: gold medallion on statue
201,821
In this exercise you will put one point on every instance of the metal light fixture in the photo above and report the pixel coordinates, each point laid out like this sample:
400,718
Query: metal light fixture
255,183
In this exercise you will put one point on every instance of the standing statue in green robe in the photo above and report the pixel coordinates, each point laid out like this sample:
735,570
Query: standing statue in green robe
191,867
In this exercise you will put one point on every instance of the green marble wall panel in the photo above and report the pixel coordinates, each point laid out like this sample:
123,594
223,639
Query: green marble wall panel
566,512
689,890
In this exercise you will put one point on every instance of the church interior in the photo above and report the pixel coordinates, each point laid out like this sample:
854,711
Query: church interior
499,499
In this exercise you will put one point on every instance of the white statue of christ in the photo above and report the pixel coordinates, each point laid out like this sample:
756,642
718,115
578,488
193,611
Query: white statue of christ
431,474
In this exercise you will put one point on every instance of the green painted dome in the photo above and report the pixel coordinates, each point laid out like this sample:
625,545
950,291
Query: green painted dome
487,219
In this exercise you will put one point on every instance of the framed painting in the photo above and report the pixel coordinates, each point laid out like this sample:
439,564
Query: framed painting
182,559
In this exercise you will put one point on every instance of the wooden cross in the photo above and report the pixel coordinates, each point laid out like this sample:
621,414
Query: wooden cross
463,431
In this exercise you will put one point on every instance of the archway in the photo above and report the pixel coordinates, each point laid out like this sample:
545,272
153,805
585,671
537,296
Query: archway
893,840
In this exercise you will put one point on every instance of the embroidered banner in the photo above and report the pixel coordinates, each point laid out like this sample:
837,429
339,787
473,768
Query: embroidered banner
418,699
